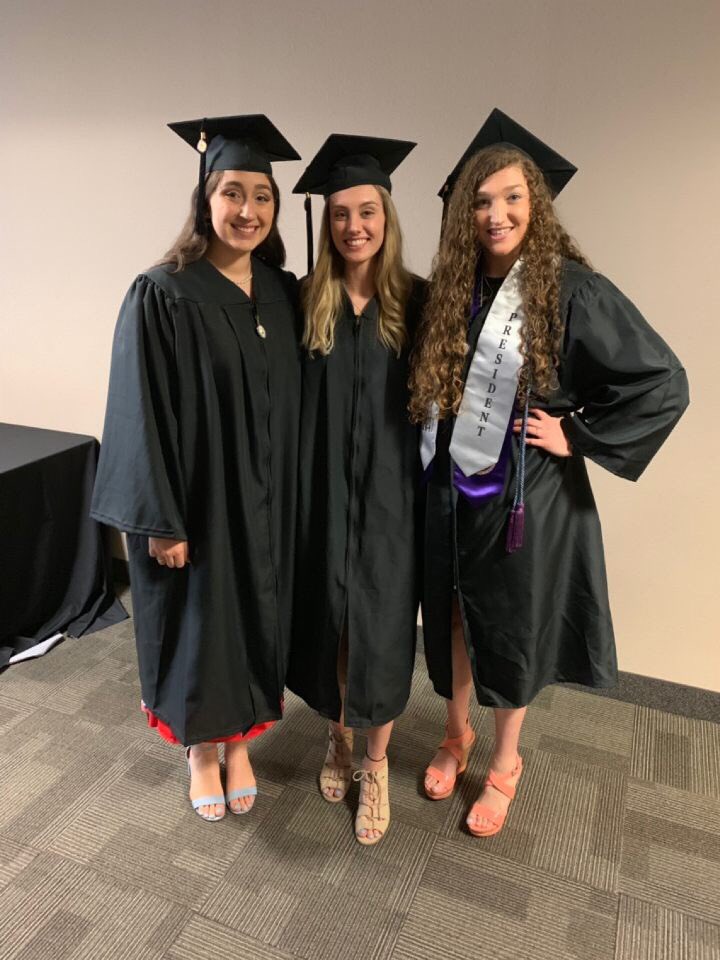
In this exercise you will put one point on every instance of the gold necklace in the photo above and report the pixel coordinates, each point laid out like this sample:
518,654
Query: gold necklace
243,279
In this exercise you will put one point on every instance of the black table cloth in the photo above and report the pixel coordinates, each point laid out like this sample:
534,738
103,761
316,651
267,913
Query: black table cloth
55,571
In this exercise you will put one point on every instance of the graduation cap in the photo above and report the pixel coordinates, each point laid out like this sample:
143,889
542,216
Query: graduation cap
501,130
346,160
245,142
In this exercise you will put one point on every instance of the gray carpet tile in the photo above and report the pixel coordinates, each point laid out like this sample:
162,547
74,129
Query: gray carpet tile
611,849
647,931
671,850
14,858
57,908
677,751
12,713
329,923
296,873
204,938
136,814
60,781
483,906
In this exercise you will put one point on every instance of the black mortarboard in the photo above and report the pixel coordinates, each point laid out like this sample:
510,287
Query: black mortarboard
245,142
501,130
346,160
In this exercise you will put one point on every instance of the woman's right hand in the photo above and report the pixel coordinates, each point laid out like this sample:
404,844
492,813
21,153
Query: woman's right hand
546,432
169,553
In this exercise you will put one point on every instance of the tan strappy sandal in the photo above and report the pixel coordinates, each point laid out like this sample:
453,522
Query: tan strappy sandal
336,772
373,804
459,748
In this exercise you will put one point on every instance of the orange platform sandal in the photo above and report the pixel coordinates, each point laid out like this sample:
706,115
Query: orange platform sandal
460,748
501,782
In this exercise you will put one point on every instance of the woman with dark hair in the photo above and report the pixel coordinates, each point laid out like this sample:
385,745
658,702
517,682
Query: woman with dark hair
357,587
528,361
199,461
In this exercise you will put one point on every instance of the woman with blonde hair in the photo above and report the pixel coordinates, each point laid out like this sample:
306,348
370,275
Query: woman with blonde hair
356,577
527,363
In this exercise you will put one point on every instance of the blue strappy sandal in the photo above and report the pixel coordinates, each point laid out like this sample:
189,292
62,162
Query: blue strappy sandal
205,801
236,795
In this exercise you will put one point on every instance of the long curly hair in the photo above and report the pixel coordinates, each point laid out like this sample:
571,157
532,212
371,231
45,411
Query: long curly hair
439,355
189,245
323,289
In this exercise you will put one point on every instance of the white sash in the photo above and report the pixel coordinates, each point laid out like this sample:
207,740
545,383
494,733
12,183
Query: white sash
490,387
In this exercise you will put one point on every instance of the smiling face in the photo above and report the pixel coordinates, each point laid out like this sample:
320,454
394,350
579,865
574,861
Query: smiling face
357,223
502,215
242,210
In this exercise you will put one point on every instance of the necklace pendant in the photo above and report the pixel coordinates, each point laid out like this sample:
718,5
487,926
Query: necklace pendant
260,330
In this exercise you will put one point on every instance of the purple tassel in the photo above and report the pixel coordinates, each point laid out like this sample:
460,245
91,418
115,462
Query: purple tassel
516,528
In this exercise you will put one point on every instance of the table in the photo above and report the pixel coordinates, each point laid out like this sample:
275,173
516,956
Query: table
55,569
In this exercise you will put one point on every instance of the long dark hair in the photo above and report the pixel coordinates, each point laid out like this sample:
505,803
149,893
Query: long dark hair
190,245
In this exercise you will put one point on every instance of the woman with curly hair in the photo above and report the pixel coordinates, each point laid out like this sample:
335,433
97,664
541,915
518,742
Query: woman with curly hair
527,363
357,584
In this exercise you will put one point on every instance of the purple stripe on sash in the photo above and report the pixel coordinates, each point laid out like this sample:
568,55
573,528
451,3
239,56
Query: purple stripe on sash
479,488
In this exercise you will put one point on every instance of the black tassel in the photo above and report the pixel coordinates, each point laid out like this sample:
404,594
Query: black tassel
200,224
309,232
445,200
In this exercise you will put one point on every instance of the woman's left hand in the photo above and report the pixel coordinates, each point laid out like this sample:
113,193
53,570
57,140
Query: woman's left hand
545,432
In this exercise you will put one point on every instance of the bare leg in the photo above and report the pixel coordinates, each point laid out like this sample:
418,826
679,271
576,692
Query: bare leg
508,723
376,759
338,749
239,773
457,708
205,777
378,739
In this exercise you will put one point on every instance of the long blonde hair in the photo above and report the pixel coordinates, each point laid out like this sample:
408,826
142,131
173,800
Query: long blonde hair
323,289
439,355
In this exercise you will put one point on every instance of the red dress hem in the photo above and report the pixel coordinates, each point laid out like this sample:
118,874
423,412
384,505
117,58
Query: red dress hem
166,733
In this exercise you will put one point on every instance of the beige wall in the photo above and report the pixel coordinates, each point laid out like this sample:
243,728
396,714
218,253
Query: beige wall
94,188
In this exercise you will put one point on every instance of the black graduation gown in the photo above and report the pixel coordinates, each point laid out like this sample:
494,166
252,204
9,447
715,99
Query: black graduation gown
200,444
358,538
542,615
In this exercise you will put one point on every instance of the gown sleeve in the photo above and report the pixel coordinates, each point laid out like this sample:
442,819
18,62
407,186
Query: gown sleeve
628,385
139,486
